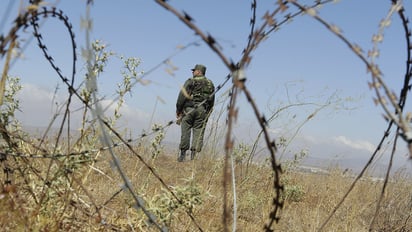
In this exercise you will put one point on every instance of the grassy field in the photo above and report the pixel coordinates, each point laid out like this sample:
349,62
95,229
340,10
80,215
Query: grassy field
90,197
71,182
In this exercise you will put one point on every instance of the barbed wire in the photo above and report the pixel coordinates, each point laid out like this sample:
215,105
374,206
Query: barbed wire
377,83
47,155
97,112
32,15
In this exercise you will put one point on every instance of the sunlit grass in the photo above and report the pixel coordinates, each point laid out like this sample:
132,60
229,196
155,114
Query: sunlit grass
309,198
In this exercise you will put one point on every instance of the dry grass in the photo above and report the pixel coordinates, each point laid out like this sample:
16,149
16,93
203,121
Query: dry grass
86,193
309,199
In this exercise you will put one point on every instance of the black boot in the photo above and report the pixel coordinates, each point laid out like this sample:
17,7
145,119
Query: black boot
181,156
192,155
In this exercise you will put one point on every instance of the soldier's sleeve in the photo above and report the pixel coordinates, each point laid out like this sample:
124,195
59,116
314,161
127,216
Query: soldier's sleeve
181,98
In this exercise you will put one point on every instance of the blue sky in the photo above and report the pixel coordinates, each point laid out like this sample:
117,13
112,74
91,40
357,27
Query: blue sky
302,63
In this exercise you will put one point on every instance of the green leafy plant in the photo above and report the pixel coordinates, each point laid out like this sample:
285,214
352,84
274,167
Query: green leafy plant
156,143
165,205
11,104
293,192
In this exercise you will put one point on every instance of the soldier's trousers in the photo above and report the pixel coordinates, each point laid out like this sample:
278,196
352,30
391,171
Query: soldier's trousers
193,127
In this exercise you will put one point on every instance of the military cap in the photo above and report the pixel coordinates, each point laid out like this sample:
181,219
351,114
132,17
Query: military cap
200,67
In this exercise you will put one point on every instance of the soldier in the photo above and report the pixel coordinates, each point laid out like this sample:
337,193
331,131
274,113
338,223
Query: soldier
193,107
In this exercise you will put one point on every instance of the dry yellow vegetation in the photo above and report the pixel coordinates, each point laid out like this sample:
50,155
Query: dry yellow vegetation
92,198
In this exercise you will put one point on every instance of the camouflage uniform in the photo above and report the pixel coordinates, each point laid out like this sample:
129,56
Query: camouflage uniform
194,116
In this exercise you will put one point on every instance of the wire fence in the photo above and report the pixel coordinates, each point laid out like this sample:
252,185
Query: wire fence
14,159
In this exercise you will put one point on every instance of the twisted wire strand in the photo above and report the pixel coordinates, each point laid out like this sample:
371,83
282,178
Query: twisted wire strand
152,170
376,78
109,146
402,100
238,84
10,143
255,38
188,20
98,113
34,16
48,155
271,24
